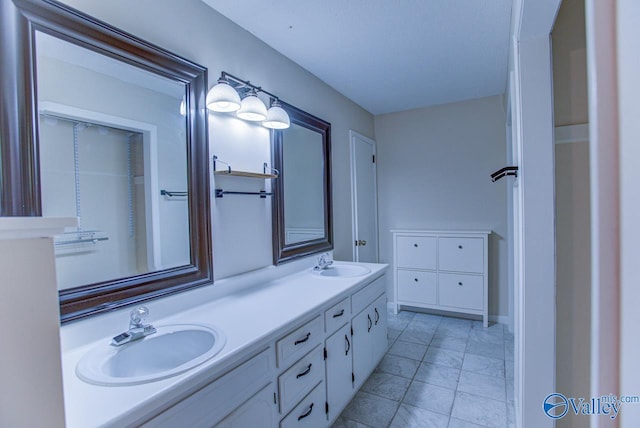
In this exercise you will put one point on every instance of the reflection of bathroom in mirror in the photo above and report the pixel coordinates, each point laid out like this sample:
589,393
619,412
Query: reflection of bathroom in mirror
112,137
303,168
302,223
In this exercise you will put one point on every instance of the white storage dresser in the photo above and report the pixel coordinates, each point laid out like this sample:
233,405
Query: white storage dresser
445,270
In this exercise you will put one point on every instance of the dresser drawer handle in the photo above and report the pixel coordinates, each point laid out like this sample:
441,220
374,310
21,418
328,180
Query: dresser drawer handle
339,314
415,279
460,247
307,413
415,245
299,341
460,283
304,373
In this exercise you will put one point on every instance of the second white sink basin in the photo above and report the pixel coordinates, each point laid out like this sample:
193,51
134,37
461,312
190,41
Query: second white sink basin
172,350
345,271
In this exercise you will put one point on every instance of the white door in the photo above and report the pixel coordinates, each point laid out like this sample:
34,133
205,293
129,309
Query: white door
363,198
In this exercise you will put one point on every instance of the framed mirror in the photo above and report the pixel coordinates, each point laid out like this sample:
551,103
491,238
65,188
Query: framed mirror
108,128
302,223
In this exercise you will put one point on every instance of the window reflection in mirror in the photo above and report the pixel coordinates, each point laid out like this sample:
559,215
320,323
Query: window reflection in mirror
303,167
111,137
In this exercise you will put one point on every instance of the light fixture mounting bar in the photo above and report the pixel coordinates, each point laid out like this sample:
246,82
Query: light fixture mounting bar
246,83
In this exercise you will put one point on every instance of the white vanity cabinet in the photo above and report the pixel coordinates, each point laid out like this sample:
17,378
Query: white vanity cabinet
442,269
245,393
258,411
305,374
369,339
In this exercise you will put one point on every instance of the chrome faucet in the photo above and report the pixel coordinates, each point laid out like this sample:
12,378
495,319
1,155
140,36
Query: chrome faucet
137,328
324,261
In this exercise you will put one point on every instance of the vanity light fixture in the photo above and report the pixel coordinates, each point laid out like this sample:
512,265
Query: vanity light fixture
225,97
252,108
277,118
222,97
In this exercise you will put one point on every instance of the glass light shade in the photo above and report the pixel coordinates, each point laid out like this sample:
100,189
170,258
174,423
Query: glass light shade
223,98
252,108
277,118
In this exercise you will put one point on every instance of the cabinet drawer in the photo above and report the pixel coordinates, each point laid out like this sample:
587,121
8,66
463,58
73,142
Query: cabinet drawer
417,286
213,402
461,291
335,317
299,342
461,254
368,294
309,412
300,378
417,252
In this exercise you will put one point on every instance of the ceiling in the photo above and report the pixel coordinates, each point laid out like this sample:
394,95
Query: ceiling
388,55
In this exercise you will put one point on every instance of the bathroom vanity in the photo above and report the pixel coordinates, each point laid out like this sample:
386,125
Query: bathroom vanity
297,349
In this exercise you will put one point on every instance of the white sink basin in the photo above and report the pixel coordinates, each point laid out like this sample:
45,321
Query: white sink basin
344,271
172,350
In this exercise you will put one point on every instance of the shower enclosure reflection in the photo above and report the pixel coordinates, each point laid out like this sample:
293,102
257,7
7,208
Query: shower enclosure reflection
111,139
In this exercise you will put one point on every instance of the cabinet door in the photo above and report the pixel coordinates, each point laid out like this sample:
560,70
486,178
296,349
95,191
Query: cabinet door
258,411
379,329
339,367
362,346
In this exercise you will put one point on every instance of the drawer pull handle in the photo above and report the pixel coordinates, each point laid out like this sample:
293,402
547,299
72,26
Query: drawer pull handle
346,351
460,247
377,315
339,314
304,373
299,341
415,279
415,245
370,323
459,283
307,413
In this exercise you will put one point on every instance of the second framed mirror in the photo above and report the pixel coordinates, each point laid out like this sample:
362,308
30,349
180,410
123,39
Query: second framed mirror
302,223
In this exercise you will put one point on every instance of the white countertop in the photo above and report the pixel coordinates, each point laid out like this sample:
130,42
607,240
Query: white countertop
249,318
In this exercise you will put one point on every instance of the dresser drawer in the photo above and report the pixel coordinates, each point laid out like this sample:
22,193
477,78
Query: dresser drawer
461,291
461,254
337,316
309,412
417,286
417,252
298,380
299,342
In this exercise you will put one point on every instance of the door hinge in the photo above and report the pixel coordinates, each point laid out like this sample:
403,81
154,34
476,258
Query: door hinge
353,378
325,353
326,407
373,157
275,401
351,331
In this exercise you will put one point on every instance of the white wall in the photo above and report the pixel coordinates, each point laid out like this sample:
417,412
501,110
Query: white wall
193,30
433,172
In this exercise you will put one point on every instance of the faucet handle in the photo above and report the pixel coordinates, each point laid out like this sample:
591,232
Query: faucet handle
139,314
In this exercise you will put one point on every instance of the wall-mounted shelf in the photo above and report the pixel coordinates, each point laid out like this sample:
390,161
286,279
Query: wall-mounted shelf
245,174
273,173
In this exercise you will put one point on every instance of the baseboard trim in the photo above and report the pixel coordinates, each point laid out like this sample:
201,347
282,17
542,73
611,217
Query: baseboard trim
499,319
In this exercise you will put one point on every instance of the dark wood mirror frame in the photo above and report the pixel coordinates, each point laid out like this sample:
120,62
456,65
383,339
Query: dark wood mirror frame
283,252
19,160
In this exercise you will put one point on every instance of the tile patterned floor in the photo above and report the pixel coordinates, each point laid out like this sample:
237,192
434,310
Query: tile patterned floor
438,372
